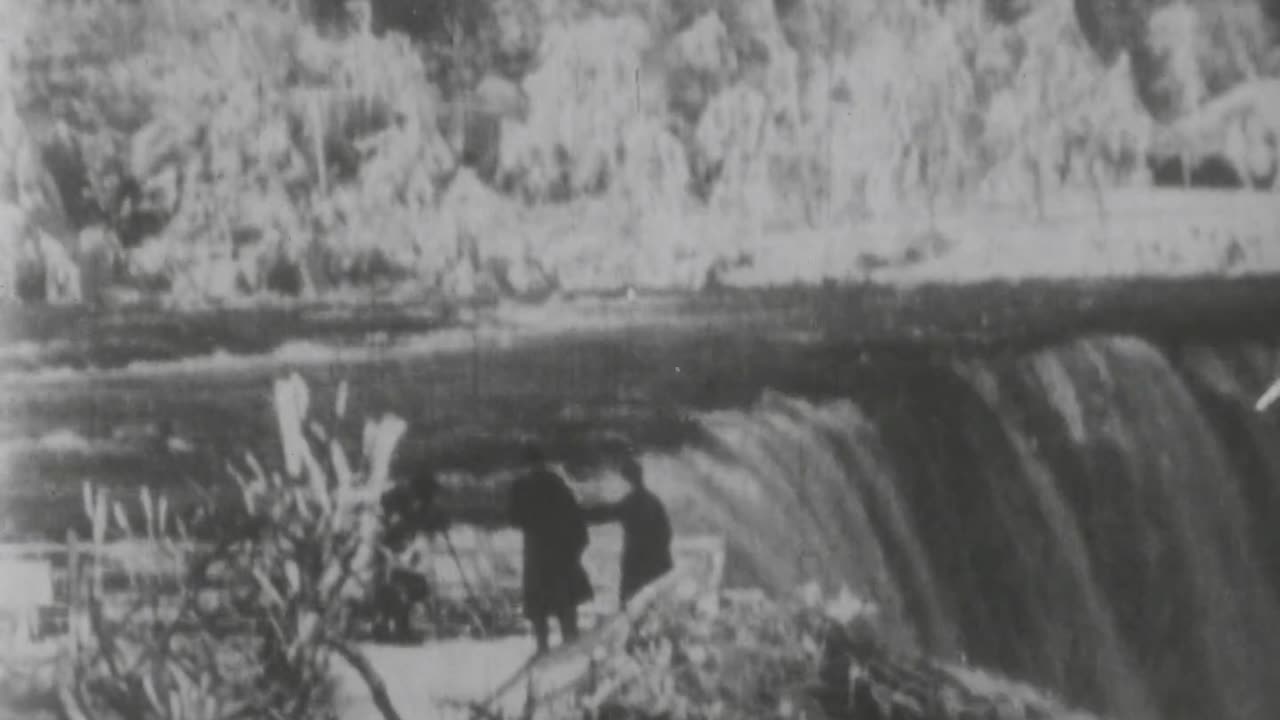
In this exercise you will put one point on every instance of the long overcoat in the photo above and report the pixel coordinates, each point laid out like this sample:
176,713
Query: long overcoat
543,507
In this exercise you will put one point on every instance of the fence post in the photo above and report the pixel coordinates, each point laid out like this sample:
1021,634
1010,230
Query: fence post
95,562
73,591
69,674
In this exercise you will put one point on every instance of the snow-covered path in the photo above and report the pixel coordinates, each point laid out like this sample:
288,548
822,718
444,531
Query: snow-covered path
421,680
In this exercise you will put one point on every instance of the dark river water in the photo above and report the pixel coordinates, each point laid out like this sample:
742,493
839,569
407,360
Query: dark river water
1065,482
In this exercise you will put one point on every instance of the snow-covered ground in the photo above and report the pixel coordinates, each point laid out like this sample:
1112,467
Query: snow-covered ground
1144,233
445,675
430,681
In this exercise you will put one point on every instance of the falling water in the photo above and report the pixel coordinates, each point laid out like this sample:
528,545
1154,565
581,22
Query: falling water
1101,517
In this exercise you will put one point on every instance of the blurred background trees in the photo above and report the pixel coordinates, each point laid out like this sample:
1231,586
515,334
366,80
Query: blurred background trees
485,147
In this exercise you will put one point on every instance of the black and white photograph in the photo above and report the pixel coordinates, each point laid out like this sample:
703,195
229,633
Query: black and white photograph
639,359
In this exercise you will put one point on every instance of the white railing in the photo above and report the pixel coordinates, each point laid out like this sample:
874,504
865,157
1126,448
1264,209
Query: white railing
42,574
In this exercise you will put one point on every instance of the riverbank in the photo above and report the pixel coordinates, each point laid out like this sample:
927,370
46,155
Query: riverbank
1148,241
802,656
66,345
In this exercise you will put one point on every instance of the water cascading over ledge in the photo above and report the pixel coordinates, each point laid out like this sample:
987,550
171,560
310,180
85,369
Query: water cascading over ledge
1100,516
1087,511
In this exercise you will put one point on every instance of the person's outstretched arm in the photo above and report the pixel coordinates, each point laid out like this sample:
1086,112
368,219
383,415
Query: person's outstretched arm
515,515
602,513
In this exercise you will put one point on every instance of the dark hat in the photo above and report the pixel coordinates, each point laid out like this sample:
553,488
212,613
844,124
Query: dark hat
631,469
413,463
533,454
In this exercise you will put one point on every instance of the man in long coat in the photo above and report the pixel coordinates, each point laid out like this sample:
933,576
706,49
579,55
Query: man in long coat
555,536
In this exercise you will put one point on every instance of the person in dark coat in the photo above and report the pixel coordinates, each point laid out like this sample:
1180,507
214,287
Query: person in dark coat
555,536
646,533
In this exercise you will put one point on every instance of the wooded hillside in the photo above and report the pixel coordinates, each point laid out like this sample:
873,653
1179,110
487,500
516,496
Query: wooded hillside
238,148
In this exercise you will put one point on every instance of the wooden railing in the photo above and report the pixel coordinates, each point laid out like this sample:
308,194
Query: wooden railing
478,561
54,575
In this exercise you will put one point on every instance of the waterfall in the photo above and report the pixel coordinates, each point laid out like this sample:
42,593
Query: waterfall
1101,517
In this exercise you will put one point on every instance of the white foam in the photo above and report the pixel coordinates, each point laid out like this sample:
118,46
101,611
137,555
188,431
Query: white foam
63,441
29,350
68,442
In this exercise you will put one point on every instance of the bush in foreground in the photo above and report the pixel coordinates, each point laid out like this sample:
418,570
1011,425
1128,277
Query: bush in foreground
260,608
